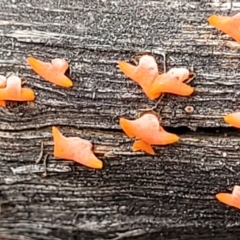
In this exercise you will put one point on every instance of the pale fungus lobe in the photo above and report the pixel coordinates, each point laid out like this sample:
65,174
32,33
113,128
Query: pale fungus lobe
172,82
147,131
154,84
144,74
75,149
11,89
230,199
3,81
53,71
228,25
233,119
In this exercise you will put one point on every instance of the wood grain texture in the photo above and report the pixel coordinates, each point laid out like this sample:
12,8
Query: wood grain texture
94,36
135,196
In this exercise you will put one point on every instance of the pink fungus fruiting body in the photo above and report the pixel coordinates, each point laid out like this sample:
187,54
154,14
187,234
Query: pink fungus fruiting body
75,149
172,82
11,89
154,84
230,199
147,131
228,25
53,71
233,119
144,74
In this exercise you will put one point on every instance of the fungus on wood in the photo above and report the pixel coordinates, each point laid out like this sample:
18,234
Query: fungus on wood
167,196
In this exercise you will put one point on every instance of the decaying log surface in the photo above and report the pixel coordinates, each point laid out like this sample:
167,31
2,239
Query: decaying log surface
135,196
169,195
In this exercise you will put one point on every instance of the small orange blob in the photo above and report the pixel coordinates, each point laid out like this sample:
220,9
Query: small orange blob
3,81
172,82
13,90
76,149
147,131
233,119
230,199
53,72
228,25
144,74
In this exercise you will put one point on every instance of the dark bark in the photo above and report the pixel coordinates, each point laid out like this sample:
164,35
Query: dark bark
135,196
94,36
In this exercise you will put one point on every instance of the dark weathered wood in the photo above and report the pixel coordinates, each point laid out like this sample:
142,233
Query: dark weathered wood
95,35
168,196
134,194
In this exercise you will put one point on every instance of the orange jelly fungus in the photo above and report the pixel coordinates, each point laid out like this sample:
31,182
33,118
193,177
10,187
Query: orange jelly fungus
172,82
76,149
53,72
3,81
233,119
228,25
230,199
147,132
144,74
154,84
13,90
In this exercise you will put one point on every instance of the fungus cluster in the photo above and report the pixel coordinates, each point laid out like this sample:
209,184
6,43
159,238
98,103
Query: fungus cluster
146,130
